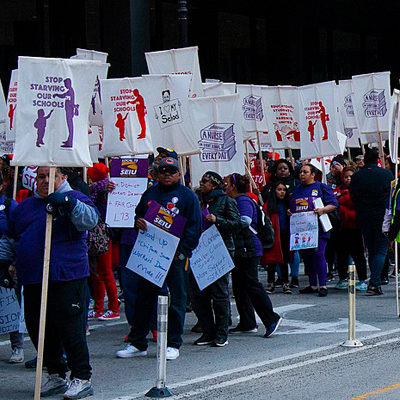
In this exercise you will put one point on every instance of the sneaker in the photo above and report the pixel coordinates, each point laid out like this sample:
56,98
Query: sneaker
17,356
238,329
361,286
294,282
308,290
31,363
93,315
78,389
322,292
109,316
220,342
172,353
53,384
286,289
342,285
273,328
155,336
197,328
374,290
203,340
329,276
130,351
385,280
278,283
270,288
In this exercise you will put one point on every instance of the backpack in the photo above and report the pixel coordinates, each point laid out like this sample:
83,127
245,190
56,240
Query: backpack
264,230
98,239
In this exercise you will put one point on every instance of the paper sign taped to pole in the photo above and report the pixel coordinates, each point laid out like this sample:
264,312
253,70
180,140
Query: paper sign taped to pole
217,124
11,107
125,116
211,259
184,61
52,114
152,254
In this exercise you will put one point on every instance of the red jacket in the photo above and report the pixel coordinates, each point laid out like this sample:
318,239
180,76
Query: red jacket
347,210
274,254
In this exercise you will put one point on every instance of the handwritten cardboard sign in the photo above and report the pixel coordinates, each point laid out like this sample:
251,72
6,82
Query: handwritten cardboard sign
211,259
303,231
9,311
122,201
152,254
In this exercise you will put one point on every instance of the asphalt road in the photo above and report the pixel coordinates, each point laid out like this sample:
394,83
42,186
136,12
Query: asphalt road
304,360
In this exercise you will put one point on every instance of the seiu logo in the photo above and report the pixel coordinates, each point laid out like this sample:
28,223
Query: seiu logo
301,205
163,219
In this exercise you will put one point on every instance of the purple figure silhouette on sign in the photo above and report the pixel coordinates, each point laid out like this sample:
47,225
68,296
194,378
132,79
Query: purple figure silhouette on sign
40,125
71,110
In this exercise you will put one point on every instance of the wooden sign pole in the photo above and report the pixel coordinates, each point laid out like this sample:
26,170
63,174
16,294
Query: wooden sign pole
15,182
45,286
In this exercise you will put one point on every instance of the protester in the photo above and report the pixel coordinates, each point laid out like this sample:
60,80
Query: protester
257,175
370,190
350,241
101,274
277,206
333,178
359,160
301,201
73,213
247,289
221,210
168,191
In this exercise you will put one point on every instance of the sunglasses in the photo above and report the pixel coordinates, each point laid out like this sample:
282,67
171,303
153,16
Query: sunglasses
170,171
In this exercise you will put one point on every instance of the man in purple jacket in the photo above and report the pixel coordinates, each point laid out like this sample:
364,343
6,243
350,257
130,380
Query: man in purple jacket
73,214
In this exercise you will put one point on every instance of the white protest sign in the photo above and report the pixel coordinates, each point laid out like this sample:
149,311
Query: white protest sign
319,120
85,54
95,135
126,126
282,112
211,259
178,61
11,107
218,128
52,114
95,110
371,102
5,147
153,254
303,231
3,106
219,88
29,178
394,125
122,201
9,311
168,113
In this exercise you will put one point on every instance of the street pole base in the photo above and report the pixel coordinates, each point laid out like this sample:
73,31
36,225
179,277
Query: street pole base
156,392
352,343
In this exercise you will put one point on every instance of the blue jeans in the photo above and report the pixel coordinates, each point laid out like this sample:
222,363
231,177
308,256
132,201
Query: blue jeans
377,245
146,299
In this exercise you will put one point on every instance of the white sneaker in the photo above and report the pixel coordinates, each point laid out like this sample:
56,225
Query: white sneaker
53,384
130,351
17,356
172,353
78,389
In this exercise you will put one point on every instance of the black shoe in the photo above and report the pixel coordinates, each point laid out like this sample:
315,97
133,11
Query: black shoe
323,292
385,281
31,363
197,328
278,283
239,329
329,276
220,342
204,340
374,290
294,282
286,289
308,290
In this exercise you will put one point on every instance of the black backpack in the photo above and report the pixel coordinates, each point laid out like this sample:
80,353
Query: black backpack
264,229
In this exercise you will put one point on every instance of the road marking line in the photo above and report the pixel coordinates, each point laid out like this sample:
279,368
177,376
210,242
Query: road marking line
264,363
377,391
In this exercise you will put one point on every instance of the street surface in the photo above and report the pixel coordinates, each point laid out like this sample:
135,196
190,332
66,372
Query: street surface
304,360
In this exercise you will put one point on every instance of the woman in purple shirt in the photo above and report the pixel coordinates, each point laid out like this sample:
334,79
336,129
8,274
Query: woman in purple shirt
249,293
302,201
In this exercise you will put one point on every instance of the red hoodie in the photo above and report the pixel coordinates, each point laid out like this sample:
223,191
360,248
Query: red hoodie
347,210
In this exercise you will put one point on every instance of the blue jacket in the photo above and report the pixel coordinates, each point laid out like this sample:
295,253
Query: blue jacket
4,215
26,236
188,206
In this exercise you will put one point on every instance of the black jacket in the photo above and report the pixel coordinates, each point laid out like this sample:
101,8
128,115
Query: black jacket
370,191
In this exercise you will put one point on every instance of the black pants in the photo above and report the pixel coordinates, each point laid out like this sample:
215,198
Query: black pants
332,249
214,297
250,294
65,326
350,243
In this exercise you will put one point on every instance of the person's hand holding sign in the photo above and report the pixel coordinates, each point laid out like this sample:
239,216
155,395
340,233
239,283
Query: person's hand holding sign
141,224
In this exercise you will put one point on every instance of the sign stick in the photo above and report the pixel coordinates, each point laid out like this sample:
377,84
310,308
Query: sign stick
323,170
261,158
85,174
45,285
15,182
380,147
396,248
292,161
180,161
189,158
108,166
247,164
349,153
